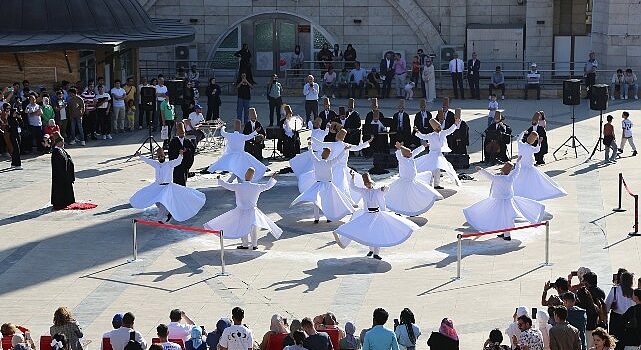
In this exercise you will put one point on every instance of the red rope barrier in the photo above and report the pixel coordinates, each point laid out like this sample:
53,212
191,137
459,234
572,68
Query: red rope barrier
179,227
625,184
476,234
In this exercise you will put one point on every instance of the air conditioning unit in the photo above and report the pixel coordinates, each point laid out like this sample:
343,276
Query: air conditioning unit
447,54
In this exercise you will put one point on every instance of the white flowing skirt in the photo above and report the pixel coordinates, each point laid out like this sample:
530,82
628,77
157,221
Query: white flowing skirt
238,223
375,229
325,195
433,161
494,214
340,178
238,163
534,184
412,197
182,202
301,163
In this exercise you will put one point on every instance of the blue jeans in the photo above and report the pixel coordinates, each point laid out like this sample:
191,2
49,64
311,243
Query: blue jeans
76,129
242,110
626,89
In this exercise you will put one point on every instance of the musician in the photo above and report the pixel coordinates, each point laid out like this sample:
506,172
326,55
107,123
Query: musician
421,121
459,139
351,122
401,126
540,130
497,137
193,123
376,125
180,145
327,114
289,143
255,145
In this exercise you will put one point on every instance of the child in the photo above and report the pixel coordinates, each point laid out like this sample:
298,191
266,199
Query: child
626,124
609,140
409,90
492,107
131,114
49,131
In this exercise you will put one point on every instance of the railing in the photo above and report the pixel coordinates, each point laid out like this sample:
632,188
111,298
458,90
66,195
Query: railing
460,236
622,185
135,222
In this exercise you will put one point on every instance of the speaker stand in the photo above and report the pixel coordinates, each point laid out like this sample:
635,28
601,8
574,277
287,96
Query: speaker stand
599,143
572,141
147,144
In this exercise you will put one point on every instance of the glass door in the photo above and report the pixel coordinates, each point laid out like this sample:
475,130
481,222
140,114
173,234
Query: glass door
274,42
286,37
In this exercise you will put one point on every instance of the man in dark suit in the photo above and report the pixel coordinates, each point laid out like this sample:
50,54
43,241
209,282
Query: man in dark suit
387,71
179,142
473,67
497,137
421,121
538,157
351,122
375,125
401,126
327,114
254,146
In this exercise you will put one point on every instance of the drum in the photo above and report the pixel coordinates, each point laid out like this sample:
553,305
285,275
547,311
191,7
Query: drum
296,123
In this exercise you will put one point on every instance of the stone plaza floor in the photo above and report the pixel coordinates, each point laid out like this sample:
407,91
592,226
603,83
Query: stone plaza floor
79,258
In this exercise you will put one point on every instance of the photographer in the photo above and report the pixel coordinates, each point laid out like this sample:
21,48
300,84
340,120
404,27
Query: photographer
561,286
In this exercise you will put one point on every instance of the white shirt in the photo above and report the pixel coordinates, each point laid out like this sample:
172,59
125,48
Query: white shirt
378,122
323,167
407,166
170,346
108,336
400,119
329,78
318,134
311,93
236,140
164,174
161,90
194,119
456,65
372,197
33,118
626,124
437,140
118,92
247,192
492,106
179,330
106,103
623,303
120,337
527,151
236,337
501,184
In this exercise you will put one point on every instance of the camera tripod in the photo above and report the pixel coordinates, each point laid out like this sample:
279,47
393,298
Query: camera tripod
572,141
599,144
148,143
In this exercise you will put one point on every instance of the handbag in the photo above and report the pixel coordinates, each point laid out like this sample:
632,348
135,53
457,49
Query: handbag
164,133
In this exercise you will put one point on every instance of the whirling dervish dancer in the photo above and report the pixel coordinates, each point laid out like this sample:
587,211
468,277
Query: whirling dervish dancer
411,194
323,193
234,158
502,207
434,161
374,226
302,162
246,219
173,200
531,182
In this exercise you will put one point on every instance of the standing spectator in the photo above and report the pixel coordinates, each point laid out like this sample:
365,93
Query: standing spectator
315,340
357,78
168,112
213,100
244,97
131,115
189,100
563,336
349,55
194,76
121,336
603,340
243,336
429,80
298,338
245,66
214,337
118,101
456,71
76,109
14,120
618,301
373,81
400,73
498,82
176,328
473,67
585,301
294,327
529,338
632,319
311,90
379,337
64,323
34,118
577,317
329,82
161,95
102,111
446,338
196,341
513,331
544,327
26,89
277,328
630,81
494,341
296,60
589,72
387,73
130,93
349,342
416,70
89,120
47,111
407,332
533,81
60,107
616,84
626,135
144,114
162,332
274,95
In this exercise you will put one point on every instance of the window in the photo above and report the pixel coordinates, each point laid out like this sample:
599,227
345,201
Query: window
224,56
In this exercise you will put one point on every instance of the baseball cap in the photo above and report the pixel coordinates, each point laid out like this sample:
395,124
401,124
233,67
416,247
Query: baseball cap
198,107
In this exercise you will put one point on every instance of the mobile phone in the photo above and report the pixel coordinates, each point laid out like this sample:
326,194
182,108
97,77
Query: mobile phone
396,323
615,278
285,321
27,335
534,311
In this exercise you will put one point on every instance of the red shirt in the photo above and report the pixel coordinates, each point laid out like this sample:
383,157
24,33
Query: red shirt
608,130
50,130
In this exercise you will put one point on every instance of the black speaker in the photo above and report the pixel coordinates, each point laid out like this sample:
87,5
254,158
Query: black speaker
572,92
148,98
385,161
599,97
458,161
175,90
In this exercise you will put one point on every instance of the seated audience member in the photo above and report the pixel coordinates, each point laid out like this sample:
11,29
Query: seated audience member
236,336
497,138
116,322
616,84
494,341
22,342
446,338
533,81
214,337
327,321
630,82
343,83
196,341
298,338
349,342
357,79
373,82
276,333
120,337
315,340
63,322
162,332
498,82
329,82
192,123
407,332
255,145
293,328
178,329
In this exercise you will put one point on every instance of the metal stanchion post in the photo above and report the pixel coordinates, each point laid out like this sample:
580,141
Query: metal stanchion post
620,209
547,243
458,256
636,216
222,255
134,239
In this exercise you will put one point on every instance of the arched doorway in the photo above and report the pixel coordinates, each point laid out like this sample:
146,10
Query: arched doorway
272,38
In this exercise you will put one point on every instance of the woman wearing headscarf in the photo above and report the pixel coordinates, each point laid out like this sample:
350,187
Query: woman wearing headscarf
544,326
446,338
196,342
494,341
293,327
277,332
513,329
407,332
214,337
349,342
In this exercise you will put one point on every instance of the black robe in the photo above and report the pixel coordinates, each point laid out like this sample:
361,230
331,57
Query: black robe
329,117
288,146
423,126
500,134
381,141
253,146
459,139
353,127
404,134
62,179
544,143
181,172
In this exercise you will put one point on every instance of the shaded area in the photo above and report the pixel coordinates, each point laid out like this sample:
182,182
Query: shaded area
88,173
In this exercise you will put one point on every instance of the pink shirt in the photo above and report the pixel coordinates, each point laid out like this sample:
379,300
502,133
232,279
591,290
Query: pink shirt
400,66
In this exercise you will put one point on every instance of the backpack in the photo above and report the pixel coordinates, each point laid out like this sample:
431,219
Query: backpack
133,344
